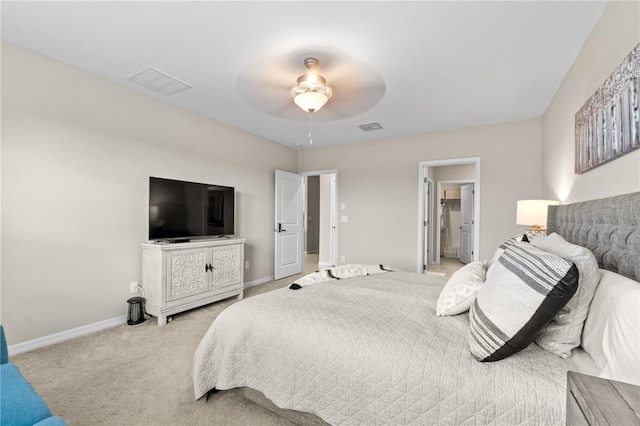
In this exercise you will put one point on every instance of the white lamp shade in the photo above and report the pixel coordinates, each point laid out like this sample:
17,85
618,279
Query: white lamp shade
310,101
533,212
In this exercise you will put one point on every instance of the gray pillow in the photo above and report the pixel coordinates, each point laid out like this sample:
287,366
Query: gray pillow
563,332
525,290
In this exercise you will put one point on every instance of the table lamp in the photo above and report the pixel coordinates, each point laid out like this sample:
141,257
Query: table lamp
534,214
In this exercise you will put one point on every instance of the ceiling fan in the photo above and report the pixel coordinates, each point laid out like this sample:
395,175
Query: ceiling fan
341,86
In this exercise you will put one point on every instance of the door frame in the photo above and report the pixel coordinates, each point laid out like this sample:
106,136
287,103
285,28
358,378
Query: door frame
333,206
422,167
428,246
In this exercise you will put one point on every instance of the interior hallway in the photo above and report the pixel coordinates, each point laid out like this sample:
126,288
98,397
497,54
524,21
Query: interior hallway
310,262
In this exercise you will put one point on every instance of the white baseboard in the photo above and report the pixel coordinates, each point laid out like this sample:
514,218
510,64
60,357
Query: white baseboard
65,335
259,281
86,329
325,264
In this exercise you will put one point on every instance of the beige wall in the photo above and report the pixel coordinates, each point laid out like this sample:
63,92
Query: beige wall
380,190
614,36
77,152
457,172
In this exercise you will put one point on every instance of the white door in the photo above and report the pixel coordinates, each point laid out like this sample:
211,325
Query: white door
466,214
288,225
333,237
427,216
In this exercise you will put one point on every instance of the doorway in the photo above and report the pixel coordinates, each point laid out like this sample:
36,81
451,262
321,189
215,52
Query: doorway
291,222
320,220
441,237
454,221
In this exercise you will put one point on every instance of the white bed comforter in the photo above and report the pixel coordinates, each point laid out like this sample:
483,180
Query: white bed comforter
370,350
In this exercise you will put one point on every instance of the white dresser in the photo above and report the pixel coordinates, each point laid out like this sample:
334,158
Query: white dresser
181,276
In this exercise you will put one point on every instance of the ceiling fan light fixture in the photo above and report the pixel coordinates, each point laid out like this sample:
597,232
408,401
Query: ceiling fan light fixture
312,92
310,101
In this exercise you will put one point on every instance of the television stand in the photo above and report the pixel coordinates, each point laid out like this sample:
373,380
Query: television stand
183,276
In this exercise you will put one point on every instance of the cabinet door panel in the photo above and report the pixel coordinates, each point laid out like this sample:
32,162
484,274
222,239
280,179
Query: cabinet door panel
227,266
186,273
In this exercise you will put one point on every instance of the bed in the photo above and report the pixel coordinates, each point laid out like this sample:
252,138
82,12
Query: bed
370,349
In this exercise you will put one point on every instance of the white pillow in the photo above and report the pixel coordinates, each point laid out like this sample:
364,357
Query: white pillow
563,332
611,333
460,291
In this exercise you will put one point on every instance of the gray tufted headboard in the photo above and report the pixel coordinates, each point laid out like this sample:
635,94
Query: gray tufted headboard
609,227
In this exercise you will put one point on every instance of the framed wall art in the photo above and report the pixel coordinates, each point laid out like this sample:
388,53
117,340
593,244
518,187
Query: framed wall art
608,124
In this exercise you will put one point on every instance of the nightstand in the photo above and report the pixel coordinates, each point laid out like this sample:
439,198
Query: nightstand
595,401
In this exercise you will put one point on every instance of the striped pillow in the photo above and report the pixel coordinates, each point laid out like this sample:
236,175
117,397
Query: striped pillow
526,289
498,253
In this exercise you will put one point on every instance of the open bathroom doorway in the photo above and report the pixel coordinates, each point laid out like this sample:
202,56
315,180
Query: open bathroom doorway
449,214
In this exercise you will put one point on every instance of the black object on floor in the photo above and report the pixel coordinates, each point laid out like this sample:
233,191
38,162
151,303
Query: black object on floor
136,310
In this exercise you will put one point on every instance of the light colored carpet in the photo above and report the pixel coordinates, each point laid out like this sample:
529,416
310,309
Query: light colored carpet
139,375
142,374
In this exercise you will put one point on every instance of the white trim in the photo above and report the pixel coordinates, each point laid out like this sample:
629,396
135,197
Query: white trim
325,264
65,335
476,201
320,172
428,206
259,281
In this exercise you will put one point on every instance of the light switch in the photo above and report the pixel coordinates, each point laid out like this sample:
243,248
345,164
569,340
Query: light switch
343,219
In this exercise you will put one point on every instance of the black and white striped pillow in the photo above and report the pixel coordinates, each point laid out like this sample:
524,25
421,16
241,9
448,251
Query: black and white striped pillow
526,289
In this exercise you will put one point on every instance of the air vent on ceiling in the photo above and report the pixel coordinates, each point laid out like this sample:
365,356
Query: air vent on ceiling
370,126
159,82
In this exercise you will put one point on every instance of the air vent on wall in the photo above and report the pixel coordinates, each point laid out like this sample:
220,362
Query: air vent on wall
370,126
159,82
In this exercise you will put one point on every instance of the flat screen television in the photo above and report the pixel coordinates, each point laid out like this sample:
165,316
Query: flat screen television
181,210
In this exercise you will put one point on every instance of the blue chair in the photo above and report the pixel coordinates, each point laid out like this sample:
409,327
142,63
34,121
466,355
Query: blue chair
20,404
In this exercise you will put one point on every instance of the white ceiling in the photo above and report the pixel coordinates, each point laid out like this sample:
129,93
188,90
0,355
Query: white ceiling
431,66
